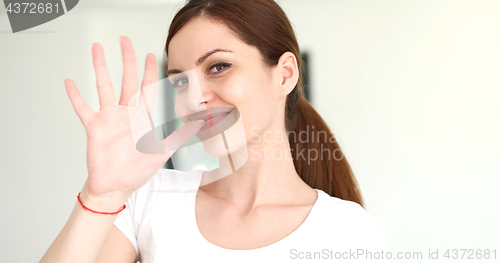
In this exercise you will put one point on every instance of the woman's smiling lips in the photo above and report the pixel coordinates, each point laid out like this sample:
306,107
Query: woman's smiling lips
213,119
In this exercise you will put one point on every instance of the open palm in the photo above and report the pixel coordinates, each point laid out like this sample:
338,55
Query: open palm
114,164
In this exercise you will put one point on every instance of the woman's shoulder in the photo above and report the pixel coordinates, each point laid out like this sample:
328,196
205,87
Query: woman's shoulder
349,220
341,209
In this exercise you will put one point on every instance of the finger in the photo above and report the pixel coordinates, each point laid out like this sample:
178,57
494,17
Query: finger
182,135
148,96
104,87
82,110
130,82
151,71
148,87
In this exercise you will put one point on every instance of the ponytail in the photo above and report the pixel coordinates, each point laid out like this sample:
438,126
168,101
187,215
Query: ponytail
316,154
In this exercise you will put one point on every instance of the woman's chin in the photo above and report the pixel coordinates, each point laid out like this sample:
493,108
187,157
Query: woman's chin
214,147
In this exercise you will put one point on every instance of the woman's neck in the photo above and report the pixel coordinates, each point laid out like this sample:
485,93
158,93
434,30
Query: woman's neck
268,177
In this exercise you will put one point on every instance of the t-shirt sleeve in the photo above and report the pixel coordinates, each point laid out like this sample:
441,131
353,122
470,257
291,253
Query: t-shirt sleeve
125,223
353,232
138,205
365,234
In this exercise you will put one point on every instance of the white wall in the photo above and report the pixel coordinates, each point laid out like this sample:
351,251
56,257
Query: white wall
410,88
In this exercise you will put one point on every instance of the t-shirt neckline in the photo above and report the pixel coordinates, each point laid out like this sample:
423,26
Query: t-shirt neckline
287,238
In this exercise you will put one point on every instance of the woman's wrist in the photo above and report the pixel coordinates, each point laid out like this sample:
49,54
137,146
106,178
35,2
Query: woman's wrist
109,202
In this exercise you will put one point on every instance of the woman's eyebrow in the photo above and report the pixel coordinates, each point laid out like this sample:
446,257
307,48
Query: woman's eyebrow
173,71
208,54
200,60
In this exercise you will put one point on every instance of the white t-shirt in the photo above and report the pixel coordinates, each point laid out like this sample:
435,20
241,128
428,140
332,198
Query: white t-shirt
160,222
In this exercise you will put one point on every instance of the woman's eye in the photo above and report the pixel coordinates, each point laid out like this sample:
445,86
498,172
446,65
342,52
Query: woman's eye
218,67
180,82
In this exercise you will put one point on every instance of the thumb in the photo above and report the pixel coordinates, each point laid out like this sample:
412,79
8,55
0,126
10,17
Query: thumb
182,135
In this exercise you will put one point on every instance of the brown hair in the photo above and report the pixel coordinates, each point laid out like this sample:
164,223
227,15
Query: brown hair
264,25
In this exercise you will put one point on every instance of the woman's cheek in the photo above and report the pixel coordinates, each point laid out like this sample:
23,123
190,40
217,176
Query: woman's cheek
232,89
181,108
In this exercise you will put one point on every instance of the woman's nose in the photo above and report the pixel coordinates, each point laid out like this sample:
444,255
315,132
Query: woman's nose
198,96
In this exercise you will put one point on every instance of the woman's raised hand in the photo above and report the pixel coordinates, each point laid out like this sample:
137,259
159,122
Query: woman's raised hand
114,164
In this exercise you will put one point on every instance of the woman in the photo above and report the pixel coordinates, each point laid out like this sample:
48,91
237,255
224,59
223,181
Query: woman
246,57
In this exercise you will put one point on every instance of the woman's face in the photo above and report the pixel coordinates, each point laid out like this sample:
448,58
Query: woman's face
213,69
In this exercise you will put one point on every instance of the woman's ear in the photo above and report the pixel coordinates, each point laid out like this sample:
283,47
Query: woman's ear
288,72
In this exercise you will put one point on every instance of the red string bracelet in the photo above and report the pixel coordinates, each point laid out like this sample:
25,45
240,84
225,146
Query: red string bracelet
104,213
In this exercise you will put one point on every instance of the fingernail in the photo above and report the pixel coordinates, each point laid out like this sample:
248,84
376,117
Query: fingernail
201,121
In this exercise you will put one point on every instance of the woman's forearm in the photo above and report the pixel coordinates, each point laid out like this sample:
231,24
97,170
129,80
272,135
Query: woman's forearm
83,235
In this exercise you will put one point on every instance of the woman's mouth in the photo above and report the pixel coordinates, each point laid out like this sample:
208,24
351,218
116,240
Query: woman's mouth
212,119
